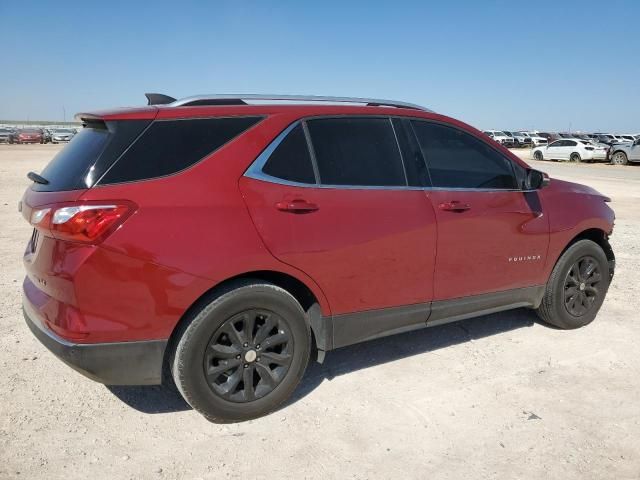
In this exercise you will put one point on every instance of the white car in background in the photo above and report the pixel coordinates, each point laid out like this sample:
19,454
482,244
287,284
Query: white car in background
626,137
500,137
571,149
536,139
521,139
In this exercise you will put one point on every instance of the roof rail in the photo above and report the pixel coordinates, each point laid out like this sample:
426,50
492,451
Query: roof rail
241,99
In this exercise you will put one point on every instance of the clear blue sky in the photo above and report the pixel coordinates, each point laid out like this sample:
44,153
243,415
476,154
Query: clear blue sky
504,65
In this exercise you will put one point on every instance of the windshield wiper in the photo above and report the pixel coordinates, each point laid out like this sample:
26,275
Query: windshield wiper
34,177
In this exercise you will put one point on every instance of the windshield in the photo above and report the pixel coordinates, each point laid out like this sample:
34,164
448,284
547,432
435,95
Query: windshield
63,130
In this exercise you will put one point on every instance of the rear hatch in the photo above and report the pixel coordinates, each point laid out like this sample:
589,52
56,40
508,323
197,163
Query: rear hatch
66,230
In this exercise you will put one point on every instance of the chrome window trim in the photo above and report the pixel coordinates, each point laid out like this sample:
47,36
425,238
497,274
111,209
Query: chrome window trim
255,169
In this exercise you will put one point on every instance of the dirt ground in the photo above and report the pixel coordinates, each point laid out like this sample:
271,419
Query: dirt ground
501,396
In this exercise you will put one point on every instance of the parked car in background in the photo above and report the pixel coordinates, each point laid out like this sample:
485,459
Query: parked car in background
500,137
61,135
549,136
626,138
606,138
536,139
571,149
5,134
27,135
232,292
520,139
46,132
623,153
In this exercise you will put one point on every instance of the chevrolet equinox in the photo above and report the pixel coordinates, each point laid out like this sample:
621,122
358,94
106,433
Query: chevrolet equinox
219,242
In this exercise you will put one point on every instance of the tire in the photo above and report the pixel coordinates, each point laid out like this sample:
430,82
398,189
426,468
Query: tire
537,155
569,280
619,158
258,312
575,157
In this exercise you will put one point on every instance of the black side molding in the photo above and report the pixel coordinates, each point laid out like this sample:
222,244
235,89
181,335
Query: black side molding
358,327
158,99
445,311
347,329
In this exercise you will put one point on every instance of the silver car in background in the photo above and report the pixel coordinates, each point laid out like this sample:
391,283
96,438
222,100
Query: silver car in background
62,135
5,134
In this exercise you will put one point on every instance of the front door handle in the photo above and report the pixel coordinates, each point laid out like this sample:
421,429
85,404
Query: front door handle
297,206
454,206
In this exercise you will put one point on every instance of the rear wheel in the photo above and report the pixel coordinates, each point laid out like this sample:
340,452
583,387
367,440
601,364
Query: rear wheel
619,158
243,354
575,157
577,286
537,155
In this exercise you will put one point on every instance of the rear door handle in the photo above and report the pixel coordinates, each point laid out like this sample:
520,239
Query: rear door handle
297,206
454,206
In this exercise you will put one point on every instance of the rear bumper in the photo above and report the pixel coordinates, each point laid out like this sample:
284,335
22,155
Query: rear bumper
118,363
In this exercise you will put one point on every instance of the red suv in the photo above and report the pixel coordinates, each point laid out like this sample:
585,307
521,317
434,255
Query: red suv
219,244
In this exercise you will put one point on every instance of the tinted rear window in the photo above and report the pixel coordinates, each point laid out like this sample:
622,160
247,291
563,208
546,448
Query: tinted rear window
169,146
356,151
89,154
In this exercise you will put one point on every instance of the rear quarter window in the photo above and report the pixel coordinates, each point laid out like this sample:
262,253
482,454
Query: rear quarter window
89,154
169,146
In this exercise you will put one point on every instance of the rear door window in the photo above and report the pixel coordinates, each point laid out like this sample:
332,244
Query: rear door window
356,152
457,159
169,146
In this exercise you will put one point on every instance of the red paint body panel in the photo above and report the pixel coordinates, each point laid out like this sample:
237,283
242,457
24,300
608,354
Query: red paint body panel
362,249
572,208
475,246
367,249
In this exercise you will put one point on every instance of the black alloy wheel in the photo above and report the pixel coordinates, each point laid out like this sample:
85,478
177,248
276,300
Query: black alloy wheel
577,286
241,353
581,286
249,355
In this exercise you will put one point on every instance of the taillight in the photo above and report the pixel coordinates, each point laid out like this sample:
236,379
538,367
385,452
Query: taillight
83,222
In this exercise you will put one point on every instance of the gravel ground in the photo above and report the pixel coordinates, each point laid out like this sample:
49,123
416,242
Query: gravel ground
496,397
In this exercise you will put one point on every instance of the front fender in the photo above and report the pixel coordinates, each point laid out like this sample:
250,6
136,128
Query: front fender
573,209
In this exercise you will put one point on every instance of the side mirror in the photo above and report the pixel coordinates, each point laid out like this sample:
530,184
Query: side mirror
537,179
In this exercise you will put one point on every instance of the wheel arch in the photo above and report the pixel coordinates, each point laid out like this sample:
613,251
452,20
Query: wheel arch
598,236
296,287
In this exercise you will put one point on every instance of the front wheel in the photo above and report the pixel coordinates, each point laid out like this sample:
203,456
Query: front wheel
577,286
619,158
243,354
537,155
